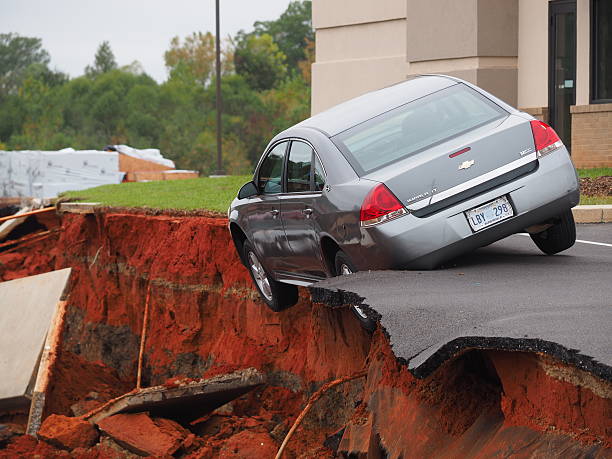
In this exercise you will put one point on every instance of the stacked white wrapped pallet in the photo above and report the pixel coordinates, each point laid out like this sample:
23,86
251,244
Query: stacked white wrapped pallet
45,174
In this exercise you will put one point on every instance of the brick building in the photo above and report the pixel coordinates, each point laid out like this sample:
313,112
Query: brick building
551,58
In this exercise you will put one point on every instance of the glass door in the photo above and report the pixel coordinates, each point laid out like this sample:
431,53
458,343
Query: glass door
562,66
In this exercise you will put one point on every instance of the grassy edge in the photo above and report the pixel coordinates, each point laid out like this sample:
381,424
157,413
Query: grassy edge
209,194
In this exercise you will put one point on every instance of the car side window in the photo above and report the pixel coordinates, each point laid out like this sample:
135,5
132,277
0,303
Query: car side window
298,167
319,175
270,175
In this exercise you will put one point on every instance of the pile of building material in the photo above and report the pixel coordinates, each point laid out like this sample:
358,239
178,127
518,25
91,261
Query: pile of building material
32,317
45,174
147,165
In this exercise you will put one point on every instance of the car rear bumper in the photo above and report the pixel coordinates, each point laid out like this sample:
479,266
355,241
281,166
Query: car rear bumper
424,243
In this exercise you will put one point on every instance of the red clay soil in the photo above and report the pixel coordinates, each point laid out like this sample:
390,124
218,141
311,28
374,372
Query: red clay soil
144,435
35,256
79,386
205,319
478,405
68,433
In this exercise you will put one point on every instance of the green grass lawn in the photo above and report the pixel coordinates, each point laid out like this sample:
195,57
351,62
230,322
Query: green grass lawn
595,172
214,194
590,200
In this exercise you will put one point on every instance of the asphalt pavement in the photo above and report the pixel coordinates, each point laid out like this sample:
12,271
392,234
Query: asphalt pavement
504,296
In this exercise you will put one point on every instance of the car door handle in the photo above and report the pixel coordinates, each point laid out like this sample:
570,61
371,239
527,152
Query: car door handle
307,212
274,213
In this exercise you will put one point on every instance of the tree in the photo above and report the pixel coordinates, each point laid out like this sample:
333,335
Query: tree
16,55
195,57
104,61
43,73
259,60
291,31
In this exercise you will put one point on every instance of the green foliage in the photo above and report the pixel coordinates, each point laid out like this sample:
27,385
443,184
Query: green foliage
213,194
104,61
292,31
259,60
193,59
45,109
17,54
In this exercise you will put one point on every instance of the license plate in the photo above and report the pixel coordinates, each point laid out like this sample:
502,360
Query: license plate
489,213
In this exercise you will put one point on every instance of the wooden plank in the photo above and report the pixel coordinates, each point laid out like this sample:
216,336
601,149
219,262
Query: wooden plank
78,207
31,314
131,164
47,361
180,175
27,214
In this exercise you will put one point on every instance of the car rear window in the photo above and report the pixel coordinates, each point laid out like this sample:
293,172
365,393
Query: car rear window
415,127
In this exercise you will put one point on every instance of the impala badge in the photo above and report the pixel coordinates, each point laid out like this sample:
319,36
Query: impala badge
466,164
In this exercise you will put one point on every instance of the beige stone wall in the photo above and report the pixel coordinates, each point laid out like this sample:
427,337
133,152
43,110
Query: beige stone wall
592,135
364,45
533,55
360,47
476,40
499,45
591,124
336,13
583,46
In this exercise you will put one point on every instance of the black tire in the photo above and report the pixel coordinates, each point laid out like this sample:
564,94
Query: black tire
279,296
559,237
344,266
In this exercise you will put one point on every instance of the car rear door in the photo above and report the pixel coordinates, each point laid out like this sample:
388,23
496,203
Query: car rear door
299,210
265,225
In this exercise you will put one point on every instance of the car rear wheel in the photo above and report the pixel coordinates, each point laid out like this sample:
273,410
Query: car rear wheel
344,267
559,237
277,295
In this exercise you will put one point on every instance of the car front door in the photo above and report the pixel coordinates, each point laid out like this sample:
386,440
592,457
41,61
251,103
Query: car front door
265,225
303,187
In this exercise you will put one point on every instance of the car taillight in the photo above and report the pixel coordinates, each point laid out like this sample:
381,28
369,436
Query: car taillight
545,138
379,206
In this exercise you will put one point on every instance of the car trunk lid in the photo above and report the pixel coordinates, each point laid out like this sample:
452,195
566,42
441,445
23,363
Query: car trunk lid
463,166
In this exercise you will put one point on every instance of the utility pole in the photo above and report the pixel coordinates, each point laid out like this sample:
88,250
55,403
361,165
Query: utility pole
219,101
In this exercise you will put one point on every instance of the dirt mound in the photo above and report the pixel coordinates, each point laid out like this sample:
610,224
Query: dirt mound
597,186
205,319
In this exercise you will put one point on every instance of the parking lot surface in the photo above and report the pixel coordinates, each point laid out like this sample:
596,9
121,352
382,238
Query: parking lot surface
505,296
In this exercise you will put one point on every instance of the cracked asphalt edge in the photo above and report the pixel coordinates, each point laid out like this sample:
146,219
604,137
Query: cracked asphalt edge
335,298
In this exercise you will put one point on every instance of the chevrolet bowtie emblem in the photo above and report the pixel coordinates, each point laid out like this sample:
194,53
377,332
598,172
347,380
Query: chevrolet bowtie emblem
466,164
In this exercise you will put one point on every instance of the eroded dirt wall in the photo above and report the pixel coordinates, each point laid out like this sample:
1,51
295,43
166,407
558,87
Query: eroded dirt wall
481,404
205,319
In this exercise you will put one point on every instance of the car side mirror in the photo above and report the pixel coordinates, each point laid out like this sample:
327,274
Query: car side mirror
248,190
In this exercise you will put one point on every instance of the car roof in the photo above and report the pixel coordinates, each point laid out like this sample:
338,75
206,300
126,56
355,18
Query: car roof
354,111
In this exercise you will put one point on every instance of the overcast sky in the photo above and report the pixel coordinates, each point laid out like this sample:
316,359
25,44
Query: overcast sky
141,30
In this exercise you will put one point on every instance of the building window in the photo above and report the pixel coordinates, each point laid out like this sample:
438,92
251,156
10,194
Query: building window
601,49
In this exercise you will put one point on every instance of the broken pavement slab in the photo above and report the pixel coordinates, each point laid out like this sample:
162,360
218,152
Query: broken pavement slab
187,400
28,306
506,296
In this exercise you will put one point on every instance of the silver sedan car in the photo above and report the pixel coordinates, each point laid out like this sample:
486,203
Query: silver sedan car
406,177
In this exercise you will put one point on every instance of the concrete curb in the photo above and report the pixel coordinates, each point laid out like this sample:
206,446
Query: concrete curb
593,214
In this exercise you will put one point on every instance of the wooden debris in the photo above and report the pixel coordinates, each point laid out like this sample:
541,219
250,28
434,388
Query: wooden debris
78,207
